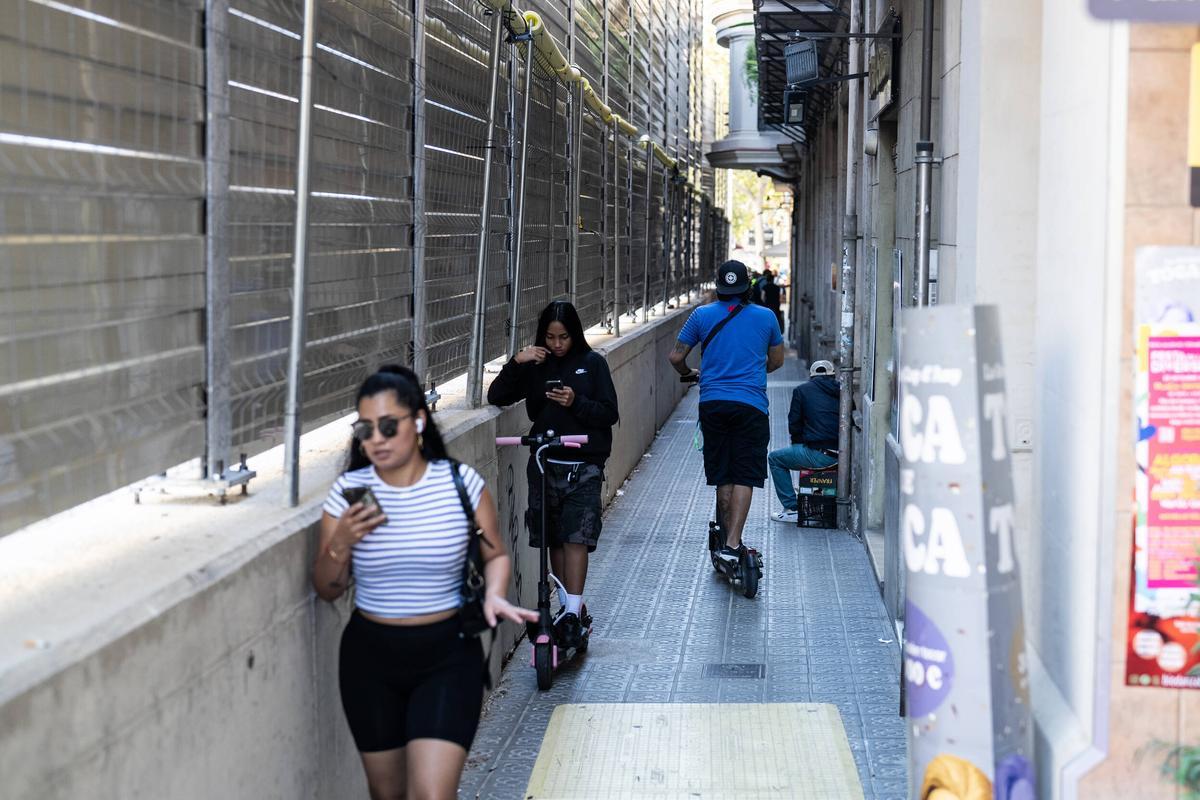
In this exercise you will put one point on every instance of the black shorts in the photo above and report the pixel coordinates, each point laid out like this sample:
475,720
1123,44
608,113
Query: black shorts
401,683
573,512
736,437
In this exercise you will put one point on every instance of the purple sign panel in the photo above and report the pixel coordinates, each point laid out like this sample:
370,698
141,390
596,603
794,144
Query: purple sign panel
928,662
1146,10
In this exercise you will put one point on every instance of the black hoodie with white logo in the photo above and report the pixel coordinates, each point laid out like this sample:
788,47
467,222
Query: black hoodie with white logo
594,411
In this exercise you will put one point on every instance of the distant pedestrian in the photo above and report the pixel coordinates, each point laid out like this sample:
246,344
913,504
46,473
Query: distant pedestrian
770,294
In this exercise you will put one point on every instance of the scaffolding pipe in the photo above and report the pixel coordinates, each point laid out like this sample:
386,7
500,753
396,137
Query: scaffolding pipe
292,413
849,259
519,238
475,362
924,158
646,312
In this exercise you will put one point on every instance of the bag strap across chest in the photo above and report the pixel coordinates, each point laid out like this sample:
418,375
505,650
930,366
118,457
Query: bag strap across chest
717,328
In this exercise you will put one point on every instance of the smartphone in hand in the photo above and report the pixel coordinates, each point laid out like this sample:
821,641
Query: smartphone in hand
363,494
554,385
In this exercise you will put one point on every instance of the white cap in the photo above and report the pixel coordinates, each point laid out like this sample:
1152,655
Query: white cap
820,368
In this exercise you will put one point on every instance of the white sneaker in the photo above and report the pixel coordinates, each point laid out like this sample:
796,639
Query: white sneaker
786,516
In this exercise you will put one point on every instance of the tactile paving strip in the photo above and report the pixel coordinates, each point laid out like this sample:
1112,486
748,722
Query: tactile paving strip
701,751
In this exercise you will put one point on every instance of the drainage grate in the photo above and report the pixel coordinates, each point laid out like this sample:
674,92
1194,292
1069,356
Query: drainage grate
754,672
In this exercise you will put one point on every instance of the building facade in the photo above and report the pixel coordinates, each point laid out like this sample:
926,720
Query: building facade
1059,148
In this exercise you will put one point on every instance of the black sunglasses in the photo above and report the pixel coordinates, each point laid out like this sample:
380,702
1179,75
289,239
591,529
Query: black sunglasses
364,429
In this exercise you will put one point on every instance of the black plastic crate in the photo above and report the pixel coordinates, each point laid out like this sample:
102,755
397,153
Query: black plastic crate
817,511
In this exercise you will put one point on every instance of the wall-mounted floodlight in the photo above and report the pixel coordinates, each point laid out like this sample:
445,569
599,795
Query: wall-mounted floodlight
793,106
801,60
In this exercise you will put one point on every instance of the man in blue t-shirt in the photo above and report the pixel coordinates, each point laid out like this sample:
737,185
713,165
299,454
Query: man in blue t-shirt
733,394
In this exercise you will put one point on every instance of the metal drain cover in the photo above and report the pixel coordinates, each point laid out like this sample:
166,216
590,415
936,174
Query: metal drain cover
755,672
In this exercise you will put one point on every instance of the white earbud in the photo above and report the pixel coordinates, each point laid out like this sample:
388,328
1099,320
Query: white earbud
420,425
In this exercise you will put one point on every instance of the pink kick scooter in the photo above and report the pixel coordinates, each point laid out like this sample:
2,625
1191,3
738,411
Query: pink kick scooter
546,650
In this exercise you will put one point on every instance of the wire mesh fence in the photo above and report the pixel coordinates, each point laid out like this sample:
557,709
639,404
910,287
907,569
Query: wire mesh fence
101,249
148,204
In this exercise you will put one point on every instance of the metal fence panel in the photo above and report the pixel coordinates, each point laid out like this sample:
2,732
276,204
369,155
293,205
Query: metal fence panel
456,114
103,209
360,277
101,242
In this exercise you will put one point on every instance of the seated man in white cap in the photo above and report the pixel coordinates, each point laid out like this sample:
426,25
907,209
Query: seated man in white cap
813,427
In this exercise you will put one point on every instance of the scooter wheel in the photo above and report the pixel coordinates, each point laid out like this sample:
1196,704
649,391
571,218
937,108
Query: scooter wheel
543,663
749,570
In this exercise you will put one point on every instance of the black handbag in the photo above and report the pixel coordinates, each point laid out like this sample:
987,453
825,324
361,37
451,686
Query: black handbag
473,584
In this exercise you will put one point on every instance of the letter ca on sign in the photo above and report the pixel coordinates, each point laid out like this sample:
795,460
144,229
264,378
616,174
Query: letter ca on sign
930,437
936,550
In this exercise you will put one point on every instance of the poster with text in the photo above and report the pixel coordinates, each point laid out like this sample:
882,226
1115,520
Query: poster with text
1163,644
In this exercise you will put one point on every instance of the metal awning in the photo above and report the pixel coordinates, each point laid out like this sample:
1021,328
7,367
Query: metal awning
776,22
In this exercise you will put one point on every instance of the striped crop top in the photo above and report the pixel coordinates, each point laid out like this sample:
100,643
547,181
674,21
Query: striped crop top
412,564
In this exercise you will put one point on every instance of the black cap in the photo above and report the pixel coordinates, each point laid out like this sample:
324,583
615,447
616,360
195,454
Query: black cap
732,278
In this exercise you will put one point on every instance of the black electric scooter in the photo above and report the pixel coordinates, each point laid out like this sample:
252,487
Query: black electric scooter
548,652
744,573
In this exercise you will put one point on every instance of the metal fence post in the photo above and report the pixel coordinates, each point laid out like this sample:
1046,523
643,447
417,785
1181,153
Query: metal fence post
292,414
690,242
628,285
519,240
509,206
552,207
646,312
475,362
420,315
666,237
218,367
576,162
616,237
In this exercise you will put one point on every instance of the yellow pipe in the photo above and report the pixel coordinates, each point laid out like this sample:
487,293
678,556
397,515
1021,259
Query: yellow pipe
569,73
625,126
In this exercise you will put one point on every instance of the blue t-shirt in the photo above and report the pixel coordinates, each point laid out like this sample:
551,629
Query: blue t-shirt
735,363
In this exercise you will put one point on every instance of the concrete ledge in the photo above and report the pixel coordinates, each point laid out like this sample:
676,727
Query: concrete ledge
175,648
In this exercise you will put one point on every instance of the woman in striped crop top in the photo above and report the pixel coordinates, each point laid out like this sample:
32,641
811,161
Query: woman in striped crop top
411,683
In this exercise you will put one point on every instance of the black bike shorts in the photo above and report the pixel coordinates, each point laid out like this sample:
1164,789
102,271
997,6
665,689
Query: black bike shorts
736,437
401,683
573,508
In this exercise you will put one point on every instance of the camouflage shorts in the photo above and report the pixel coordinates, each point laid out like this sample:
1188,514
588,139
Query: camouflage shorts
573,504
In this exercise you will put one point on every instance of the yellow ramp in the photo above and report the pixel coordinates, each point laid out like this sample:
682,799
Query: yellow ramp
710,751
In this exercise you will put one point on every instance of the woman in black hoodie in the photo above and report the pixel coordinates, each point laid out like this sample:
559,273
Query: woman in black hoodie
586,403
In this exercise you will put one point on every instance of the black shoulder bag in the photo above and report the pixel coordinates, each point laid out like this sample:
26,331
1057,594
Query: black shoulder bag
717,328
473,584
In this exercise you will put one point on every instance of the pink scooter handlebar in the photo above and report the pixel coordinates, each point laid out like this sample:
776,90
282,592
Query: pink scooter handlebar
571,440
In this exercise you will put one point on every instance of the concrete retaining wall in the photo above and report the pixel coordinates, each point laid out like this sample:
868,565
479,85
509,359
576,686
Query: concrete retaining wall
221,679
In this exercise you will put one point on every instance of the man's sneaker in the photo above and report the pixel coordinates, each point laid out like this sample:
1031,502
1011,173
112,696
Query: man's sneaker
787,515
568,630
729,554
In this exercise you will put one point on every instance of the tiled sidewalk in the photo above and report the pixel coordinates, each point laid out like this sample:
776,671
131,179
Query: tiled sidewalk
818,625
